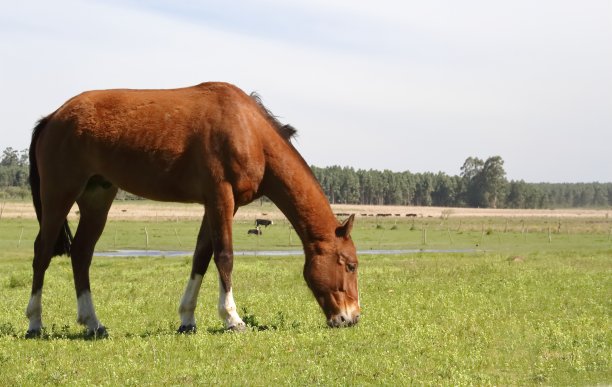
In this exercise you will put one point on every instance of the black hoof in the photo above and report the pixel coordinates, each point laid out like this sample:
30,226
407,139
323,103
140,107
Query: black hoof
98,333
33,333
187,329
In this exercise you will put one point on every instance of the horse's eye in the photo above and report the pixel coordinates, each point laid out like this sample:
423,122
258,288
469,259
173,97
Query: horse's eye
351,267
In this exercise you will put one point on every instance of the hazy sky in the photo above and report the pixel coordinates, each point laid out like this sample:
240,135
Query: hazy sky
400,85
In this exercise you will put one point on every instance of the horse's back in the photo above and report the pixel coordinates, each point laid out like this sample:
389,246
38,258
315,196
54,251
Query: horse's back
162,144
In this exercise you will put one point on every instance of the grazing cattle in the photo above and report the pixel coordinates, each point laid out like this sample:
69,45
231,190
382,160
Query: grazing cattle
411,215
210,144
254,231
263,222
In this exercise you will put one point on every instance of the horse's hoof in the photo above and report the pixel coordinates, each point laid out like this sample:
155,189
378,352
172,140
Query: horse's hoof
240,327
99,333
187,329
33,333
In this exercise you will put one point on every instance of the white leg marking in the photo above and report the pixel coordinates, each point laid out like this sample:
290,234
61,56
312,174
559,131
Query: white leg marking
190,300
227,308
86,315
34,311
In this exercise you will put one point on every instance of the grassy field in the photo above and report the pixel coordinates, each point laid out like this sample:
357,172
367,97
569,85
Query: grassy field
531,304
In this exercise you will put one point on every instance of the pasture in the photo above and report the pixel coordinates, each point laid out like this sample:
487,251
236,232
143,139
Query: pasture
529,303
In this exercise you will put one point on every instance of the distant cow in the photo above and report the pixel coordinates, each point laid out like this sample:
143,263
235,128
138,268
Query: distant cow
263,222
411,215
254,231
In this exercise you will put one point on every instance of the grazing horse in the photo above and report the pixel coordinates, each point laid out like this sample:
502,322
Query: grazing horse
210,144
263,222
254,231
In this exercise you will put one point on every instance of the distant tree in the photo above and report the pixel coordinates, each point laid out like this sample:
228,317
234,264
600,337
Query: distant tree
423,189
600,198
472,186
24,158
516,194
493,181
444,190
484,182
10,157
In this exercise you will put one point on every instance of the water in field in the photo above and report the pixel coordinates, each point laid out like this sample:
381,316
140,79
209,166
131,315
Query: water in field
274,253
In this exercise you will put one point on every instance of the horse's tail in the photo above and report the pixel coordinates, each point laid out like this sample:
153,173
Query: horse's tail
64,240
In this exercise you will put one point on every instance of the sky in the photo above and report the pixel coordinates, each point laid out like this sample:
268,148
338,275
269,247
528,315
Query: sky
399,85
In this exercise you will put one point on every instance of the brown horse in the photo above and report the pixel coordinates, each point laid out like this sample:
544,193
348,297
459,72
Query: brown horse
210,144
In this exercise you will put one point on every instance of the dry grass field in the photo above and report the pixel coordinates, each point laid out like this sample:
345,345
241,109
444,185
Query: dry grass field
147,210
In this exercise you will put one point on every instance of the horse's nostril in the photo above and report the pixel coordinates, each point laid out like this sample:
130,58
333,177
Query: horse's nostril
342,319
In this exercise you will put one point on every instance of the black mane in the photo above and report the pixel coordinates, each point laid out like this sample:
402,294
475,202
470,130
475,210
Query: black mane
286,131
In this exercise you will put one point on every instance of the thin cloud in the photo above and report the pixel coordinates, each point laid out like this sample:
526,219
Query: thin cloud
396,85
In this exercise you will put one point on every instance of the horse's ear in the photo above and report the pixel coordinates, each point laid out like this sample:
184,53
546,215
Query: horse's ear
344,230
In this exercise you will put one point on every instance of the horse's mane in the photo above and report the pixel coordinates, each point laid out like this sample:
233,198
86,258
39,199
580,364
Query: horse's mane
286,131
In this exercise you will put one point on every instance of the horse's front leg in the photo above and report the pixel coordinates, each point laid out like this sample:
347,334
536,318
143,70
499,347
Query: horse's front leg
220,216
201,258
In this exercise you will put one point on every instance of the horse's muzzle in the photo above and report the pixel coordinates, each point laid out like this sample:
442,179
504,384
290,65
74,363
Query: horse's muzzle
343,319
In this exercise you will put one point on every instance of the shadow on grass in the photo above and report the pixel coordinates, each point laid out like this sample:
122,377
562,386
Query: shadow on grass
55,333
252,324
66,332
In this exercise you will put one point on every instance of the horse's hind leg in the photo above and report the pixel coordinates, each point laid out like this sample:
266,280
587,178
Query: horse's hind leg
93,204
55,208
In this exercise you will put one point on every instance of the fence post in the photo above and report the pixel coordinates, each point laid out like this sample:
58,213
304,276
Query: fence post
20,236
146,238
177,237
482,234
549,236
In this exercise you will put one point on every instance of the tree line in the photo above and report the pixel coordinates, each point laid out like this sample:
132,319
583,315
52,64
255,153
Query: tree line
481,183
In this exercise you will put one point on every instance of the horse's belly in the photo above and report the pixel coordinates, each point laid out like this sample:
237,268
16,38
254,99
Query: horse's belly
183,183
157,183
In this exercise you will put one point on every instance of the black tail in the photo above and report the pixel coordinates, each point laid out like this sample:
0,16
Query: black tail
64,240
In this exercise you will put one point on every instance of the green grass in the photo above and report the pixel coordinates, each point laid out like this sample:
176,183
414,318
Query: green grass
442,319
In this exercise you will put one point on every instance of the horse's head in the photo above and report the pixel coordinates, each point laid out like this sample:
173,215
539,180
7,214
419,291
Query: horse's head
331,274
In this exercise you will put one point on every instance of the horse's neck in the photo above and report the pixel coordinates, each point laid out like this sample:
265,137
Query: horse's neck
293,188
